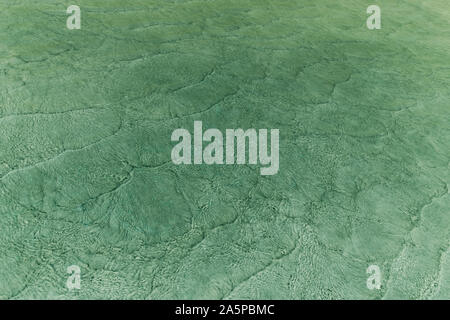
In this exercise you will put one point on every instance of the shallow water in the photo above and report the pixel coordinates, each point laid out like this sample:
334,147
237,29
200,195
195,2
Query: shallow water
86,118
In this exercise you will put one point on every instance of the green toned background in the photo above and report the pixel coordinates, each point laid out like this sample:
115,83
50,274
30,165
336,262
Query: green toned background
86,176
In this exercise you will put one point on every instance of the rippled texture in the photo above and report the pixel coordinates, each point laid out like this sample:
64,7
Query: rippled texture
86,176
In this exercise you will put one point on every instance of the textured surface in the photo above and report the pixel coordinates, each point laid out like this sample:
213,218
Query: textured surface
86,177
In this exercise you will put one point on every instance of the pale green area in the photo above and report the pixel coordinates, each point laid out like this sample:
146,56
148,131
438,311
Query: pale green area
86,178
